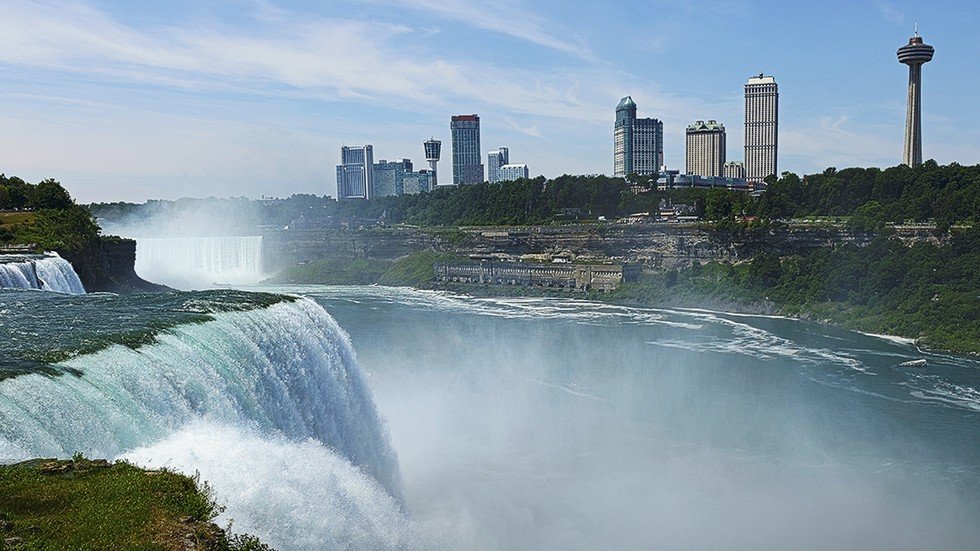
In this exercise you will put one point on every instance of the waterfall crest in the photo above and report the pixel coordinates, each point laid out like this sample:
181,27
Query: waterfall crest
288,369
199,262
49,272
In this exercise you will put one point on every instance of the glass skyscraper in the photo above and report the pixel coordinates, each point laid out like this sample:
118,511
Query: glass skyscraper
467,168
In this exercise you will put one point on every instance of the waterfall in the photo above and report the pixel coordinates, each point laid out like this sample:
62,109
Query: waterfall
49,272
198,262
287,370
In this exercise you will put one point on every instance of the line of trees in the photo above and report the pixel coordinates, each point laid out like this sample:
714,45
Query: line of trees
871,197
52,219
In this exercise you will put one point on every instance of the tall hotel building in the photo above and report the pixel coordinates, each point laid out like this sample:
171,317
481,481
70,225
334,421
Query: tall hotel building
705,147
467,168
355,173
495,160
761,127
638,144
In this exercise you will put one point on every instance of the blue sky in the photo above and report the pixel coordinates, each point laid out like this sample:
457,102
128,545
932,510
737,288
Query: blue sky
138,99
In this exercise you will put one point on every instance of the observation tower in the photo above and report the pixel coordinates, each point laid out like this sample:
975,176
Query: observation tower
433,147
914,54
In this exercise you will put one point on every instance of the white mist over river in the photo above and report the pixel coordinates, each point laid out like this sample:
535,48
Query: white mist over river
200,262
517,423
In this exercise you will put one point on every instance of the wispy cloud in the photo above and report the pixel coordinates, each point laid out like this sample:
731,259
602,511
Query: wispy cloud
319,58
890,11
504,17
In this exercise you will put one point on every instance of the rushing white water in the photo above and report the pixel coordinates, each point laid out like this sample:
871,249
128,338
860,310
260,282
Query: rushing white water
293,495
287,369
200,262
49,273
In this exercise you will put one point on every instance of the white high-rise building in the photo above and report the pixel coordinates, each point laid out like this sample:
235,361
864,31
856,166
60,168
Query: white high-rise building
734,169
509,173
761,127
705,147
495,160
355,173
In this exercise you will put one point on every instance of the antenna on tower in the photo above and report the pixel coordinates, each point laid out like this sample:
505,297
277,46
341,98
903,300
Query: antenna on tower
916,28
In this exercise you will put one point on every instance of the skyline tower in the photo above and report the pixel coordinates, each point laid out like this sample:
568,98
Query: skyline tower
761,127
433,150
914,54
638,144
467,168
705,148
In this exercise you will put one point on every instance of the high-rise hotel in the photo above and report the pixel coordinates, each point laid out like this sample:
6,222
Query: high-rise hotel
467,168
761,127
355,173
638,144
705,148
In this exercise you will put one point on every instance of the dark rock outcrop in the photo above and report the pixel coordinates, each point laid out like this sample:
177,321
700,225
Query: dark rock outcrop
110,266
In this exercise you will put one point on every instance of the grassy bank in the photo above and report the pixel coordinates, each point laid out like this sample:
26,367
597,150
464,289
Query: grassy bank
83,504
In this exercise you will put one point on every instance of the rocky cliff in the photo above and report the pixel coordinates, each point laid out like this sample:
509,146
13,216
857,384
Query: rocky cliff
657,246
109,265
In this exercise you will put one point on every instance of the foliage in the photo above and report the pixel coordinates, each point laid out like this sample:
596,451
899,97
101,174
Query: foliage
922,291
52,219
414,270
870,196
82,504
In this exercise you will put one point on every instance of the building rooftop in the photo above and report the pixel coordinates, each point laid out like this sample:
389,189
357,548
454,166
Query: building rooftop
762,79
626,103
710,126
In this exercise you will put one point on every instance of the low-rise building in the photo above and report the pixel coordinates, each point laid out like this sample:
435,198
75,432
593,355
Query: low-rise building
561,275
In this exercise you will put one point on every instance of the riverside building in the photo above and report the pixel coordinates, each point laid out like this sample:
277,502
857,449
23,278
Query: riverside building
705,148
638,144
761,127
355,173
467,168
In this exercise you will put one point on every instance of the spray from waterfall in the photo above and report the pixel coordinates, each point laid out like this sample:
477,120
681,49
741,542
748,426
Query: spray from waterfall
200,262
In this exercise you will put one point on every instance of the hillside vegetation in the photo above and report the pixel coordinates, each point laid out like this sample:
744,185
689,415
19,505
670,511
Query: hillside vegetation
44,214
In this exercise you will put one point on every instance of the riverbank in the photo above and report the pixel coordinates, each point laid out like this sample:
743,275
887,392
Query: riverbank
916,293
93,504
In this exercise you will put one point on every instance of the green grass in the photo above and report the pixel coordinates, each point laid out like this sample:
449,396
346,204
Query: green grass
10,218
83,504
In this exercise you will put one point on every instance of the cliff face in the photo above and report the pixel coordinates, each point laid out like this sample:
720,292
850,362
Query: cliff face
657,246
109,266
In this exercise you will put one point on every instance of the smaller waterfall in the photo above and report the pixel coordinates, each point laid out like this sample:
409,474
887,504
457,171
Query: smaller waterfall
49,272
200,262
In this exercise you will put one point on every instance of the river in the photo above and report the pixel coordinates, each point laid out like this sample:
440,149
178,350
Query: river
372,417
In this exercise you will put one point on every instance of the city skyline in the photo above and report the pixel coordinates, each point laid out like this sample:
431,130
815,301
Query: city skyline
132,100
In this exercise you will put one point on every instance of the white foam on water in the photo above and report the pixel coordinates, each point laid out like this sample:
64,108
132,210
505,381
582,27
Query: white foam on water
292,495
49,272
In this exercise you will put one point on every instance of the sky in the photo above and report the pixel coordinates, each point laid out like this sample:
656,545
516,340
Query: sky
132,100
